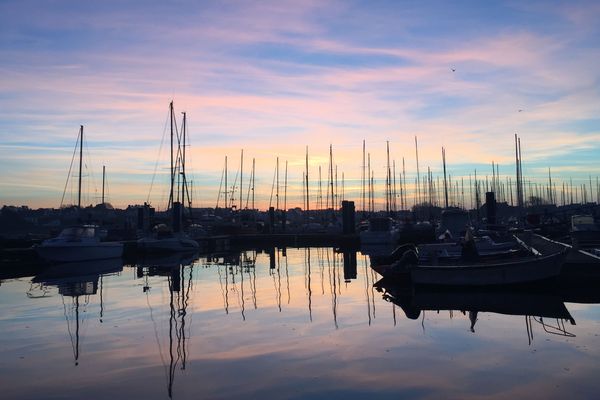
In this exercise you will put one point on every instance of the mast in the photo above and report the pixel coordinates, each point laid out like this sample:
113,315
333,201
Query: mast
521,172
241,177
418,175
517,183
404,200
363,178
370,180
285,188
307,197
253,172
172,169
80,164
336,187
445,180
183,186
550,194
388,180
226,187
103,180
331,172
394,203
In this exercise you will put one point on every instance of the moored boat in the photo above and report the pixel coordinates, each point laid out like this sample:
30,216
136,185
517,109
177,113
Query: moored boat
526,267
167,241
80,243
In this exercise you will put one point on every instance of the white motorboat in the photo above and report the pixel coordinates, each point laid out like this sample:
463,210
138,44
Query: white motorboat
79,243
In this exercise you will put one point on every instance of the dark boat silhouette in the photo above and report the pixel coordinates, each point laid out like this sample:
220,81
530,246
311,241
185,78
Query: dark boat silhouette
543,302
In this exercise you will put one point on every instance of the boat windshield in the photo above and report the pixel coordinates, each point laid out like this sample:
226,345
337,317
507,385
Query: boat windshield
78,232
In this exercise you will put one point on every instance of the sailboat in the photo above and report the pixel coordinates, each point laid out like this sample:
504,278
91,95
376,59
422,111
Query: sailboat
164,239
79,243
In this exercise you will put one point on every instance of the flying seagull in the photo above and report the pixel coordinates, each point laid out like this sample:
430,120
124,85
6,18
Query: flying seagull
453,69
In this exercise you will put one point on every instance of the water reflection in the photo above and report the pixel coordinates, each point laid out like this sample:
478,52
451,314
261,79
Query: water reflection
77,281
537,304
178,271
285,320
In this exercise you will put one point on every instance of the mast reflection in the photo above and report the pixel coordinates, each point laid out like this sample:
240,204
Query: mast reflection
178,269
77,281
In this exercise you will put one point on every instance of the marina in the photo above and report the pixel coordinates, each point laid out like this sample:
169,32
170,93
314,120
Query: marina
299,200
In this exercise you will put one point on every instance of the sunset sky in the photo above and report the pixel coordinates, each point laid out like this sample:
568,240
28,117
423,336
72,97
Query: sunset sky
274,77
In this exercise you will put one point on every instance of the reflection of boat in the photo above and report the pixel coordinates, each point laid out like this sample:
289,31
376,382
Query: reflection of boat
474,270
79,243
539,302
62,274
167,261
75,280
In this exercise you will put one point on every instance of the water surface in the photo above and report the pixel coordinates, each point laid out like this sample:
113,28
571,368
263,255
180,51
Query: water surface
297,323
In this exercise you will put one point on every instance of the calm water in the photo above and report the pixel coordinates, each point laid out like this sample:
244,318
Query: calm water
284,325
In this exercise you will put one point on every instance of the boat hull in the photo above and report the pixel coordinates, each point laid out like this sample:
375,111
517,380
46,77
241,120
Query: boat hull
167,245
522,271
74,252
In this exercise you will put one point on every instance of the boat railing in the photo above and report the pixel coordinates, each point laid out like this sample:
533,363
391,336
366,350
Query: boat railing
527,247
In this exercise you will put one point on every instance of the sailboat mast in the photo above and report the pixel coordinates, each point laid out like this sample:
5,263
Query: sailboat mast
395,195
103,181
387,179
226,187
183,186
418,175
369,180
331,172
363,177
285,187
80,165
172,168
445,180
307,196
241,177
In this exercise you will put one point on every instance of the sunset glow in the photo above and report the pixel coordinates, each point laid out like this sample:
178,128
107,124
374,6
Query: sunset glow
274,77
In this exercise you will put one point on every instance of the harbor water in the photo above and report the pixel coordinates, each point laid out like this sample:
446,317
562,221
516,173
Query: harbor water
293,323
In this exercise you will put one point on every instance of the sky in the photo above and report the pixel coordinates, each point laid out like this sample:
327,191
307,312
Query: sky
273,77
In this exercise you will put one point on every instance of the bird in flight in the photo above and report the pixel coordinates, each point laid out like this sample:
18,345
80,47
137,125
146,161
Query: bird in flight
520,110
453,69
